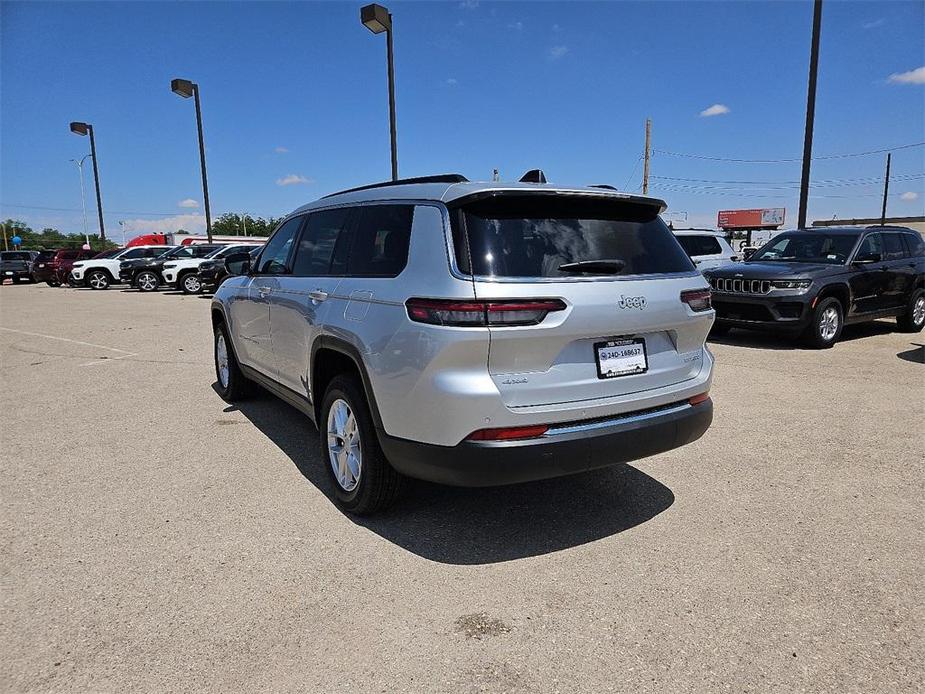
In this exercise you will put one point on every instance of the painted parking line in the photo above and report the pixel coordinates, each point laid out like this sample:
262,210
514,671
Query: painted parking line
125,354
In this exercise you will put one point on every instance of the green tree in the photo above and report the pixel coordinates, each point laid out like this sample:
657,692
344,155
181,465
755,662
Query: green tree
50,238
233,224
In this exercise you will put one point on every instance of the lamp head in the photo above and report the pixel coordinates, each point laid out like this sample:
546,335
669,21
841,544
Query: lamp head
182,88
376,18
79,128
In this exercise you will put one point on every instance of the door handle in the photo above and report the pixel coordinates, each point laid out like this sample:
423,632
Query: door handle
318,295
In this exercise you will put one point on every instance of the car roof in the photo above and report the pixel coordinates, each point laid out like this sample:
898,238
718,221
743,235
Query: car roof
698,232
447,192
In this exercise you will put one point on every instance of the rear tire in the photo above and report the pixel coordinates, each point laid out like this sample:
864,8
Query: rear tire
913,320
364,483
190,283
147,281
97,279
231,382
826,324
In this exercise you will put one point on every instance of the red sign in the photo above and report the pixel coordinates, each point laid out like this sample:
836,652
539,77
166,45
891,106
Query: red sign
766,218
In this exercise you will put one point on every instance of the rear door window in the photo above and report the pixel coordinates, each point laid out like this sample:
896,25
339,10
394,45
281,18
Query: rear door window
916,244
893,247
380,242
322,248
699,245
533,236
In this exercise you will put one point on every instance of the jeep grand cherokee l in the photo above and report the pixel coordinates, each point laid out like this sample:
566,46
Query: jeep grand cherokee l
472,333
812,283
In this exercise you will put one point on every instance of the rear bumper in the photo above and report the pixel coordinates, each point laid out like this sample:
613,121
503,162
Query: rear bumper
566,450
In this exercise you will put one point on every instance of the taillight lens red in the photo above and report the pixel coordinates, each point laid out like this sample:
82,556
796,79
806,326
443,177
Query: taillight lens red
509,433
482,313
697,399
697,299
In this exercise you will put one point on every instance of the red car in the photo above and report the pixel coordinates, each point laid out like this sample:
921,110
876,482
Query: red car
61,264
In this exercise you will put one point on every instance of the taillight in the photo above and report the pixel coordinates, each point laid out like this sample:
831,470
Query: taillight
697,299
482,313
509,433
697,399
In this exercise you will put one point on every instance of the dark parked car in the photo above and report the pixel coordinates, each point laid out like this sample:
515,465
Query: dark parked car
145,273
812,283
213,272
60,266
41,266
16,266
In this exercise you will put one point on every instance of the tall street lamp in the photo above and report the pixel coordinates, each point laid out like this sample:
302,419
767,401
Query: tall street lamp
810,113
79,128
83,198
186,89
377,19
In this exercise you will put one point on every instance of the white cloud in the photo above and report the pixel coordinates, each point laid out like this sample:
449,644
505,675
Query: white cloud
191,222
452,81
916,76
189,202
874,24
516,26
909,196
280,150
556,27
557,52
468,4
292,180
714,110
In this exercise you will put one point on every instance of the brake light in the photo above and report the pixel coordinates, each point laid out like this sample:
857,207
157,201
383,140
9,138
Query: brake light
482,313
697,399
509,433
697,299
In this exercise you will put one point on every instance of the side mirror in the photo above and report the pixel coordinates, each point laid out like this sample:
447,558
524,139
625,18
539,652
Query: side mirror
238,263
867,258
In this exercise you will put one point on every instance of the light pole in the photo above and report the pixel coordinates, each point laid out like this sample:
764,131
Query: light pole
79,128
122,224
810,113
83,198
186,89
377,19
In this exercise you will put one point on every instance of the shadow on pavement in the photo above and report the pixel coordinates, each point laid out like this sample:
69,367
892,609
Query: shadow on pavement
915,355
768,340
479,526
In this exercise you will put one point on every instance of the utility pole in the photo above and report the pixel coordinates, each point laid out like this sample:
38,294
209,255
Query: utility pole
645,166
810,113
886,189
244,222
6,246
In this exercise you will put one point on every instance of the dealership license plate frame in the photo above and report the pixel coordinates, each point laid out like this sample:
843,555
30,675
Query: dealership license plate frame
617,342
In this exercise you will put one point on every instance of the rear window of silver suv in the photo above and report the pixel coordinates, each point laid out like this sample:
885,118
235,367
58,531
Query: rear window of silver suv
534,236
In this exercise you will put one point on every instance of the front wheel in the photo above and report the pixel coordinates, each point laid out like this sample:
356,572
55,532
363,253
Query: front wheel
97,279
147,281
913,319
364,481
190,284
825,325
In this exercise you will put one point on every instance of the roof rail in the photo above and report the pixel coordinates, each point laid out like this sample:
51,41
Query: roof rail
605,186
440,178
889,226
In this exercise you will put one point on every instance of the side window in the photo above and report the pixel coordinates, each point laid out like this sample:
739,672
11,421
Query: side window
134,253
380,244
322,241
276,252
699,245
893,247
916,244
872,244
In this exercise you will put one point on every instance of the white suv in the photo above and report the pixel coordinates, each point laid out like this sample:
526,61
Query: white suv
184,272
472,333
707,248
99,273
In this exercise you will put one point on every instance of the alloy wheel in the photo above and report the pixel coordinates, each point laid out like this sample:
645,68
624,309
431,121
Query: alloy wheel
147,282
918,311
828,324
221,360
98,280
344,450
192,284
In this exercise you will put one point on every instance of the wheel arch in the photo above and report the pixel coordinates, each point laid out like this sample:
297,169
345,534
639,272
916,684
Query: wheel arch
838,291
330,357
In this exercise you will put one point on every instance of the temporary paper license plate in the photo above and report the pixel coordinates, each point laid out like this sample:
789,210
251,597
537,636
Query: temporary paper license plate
621,357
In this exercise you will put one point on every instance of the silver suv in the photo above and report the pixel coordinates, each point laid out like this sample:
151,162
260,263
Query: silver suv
472,334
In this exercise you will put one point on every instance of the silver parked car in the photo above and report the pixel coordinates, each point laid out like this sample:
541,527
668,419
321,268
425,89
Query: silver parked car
707,248
472,333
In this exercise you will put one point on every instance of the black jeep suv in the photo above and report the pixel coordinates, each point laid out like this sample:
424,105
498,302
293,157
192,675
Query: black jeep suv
145,273
811,283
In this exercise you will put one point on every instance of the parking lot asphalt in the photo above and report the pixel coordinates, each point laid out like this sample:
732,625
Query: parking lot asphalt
155,538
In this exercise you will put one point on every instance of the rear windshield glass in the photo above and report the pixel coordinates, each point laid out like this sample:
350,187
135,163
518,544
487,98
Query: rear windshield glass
700,245
534,235
15,255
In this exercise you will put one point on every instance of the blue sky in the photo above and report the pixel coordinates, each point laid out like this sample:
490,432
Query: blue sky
295,102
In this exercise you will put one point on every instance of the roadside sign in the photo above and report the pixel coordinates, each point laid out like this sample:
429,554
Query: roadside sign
764,218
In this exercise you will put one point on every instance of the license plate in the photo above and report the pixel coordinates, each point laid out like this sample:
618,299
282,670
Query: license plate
621,357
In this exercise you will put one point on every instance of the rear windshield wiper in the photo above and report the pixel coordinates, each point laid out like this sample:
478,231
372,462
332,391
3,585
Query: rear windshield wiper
607,267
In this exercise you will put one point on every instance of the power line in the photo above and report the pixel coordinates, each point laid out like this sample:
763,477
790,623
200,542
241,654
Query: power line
110,213
867,180
788,160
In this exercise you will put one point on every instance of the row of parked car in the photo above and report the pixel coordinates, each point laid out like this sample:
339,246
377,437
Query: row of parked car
188,268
